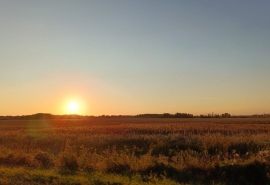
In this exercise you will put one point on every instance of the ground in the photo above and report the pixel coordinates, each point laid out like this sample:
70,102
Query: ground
135,151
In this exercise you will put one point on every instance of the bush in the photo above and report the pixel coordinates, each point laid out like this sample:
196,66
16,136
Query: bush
68,161
45,159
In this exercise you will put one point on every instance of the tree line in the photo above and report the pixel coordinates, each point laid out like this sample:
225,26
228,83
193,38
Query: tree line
164,115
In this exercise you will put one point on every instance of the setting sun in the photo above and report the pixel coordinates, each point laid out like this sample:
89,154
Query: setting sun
73,107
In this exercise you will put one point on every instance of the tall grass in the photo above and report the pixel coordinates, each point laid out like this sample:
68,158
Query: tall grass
172,150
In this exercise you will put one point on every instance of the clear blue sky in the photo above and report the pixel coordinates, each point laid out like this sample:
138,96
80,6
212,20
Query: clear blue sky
131,57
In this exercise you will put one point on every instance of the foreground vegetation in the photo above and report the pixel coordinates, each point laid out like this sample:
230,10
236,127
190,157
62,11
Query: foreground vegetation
135,151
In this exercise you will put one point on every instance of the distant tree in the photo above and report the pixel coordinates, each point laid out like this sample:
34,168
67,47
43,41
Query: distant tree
183,115
226,115
166,115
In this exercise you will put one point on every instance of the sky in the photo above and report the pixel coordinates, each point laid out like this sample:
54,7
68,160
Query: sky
132,57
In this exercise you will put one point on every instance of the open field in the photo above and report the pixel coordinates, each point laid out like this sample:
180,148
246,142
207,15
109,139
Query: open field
135,151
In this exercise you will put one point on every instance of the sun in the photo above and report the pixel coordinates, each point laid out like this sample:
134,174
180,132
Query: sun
73,107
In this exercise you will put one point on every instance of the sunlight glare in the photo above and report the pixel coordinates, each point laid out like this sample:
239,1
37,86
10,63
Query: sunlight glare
73,107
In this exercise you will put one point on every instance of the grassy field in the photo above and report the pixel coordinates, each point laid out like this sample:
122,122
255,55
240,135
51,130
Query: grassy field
135,151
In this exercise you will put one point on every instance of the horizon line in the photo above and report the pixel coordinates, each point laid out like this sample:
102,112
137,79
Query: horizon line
209,114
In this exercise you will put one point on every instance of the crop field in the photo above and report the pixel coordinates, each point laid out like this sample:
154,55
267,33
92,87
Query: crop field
135,151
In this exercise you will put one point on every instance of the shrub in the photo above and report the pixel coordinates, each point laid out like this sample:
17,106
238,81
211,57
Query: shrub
68,161
44,158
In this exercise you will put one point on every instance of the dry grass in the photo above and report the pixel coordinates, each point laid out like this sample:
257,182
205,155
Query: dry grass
183,150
